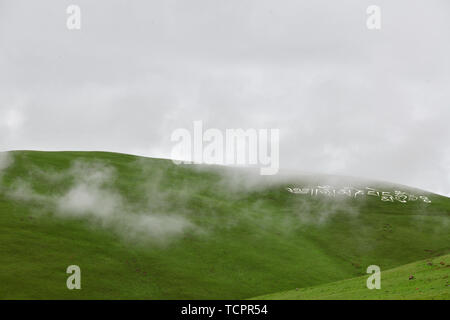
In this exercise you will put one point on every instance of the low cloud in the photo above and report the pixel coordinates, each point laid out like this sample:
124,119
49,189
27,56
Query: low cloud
165,202
90,193
5,160
91,196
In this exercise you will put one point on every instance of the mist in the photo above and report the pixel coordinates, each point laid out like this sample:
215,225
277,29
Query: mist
93,198
5,161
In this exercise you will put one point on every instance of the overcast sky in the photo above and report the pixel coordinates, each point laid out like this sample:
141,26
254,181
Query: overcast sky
347,100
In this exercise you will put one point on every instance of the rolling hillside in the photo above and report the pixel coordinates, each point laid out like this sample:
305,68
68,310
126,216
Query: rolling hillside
142,228
429,280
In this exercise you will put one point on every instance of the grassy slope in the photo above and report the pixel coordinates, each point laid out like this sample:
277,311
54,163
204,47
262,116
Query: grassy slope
430,282
255,244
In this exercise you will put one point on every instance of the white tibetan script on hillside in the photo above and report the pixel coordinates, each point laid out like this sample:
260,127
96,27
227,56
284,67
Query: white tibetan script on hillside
352,192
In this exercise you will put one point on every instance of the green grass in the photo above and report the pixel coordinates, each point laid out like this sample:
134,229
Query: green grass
430,281
252,237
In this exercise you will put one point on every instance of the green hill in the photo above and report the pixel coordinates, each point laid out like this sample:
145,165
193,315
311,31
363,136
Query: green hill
142,228
429,281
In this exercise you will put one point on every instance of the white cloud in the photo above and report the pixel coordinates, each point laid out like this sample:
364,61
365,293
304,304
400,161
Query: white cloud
91,197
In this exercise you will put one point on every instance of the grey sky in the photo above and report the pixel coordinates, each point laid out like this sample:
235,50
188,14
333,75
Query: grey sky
347,100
